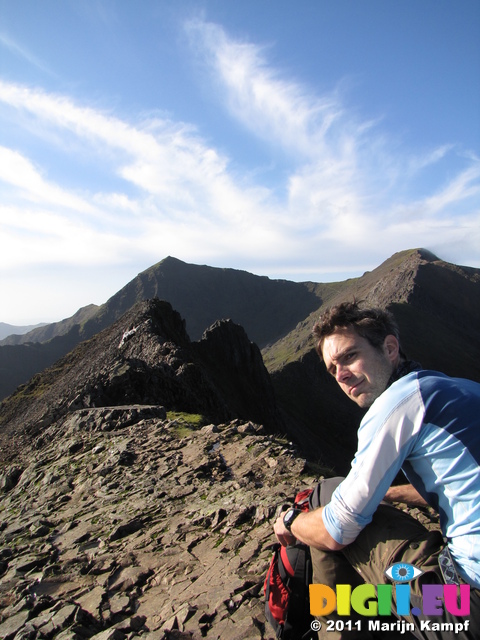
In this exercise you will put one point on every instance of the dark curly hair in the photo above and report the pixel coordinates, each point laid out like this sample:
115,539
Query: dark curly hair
370,323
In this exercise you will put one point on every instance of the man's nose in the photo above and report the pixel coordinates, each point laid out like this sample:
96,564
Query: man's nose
342,373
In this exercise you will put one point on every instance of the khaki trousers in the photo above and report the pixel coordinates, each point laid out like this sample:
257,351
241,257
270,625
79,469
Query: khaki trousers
392,537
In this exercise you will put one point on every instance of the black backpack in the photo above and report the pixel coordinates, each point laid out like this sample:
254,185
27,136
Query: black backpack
286,587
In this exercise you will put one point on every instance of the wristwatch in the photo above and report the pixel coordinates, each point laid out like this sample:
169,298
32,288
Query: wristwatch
289,517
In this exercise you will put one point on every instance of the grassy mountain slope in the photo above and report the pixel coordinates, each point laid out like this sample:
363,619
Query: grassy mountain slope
10,329
46,332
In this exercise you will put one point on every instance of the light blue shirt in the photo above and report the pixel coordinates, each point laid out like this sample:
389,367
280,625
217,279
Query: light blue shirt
428,425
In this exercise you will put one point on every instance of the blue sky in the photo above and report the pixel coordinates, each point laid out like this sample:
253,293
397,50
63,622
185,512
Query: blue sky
307,140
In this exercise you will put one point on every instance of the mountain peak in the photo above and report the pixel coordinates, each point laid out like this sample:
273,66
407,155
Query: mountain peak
427,255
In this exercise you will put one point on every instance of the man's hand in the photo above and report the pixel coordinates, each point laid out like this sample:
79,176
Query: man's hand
282,534
308,528
405,493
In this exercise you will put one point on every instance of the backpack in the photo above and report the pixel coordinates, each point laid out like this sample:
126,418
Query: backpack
286,587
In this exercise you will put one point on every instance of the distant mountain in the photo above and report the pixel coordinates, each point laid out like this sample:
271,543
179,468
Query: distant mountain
267,309
147,358
44,332
10,329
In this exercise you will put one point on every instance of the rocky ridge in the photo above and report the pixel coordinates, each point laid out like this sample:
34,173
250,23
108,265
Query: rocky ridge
136,491
146,357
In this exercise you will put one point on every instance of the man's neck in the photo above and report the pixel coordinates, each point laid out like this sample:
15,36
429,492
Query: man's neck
402,369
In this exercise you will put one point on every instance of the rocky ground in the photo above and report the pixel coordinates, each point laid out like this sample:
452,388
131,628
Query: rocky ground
123,512
125,522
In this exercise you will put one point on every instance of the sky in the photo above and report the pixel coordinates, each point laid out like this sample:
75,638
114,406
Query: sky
305,140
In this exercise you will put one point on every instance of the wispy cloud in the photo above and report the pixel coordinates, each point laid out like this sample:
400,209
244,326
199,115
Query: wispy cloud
346,187
19,172
275,108
348,200
23,52
185,196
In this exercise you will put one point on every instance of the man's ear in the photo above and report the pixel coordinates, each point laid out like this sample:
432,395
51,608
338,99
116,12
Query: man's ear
392,348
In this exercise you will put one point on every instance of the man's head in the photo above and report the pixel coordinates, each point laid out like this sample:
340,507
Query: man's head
360,348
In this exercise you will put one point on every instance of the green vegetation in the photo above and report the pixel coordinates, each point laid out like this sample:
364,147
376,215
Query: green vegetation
293,346
185,422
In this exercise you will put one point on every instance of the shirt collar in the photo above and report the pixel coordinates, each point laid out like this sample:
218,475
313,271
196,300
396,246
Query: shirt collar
405,367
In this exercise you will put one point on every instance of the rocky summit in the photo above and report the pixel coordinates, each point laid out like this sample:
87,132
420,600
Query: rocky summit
146,358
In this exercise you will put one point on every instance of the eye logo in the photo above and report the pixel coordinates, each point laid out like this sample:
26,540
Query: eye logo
402,572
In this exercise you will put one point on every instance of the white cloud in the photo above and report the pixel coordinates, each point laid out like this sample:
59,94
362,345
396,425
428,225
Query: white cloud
464,185
19,172
34,237
346,187
348,200
276,109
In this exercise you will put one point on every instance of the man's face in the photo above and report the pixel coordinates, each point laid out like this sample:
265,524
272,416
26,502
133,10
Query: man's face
361,370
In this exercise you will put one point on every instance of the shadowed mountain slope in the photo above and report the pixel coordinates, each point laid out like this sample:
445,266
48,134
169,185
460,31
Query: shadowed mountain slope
266,308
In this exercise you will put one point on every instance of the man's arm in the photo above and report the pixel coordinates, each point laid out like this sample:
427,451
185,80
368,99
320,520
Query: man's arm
405,493
308,528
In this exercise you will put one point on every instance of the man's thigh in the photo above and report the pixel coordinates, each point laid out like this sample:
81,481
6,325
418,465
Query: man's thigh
393,536
332,568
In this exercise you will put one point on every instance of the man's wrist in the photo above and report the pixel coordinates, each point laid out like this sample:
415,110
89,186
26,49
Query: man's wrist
289,517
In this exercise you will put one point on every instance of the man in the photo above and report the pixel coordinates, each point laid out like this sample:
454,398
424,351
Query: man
422,422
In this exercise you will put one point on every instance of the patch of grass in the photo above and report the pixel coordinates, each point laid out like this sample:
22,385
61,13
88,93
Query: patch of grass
185,422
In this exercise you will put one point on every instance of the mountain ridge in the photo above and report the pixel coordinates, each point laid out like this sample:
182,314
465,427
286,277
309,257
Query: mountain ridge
7,329
437,306
436,303
46,331
278,315
176,281
265,308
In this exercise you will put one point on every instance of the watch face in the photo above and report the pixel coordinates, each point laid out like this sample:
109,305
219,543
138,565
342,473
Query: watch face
289,517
